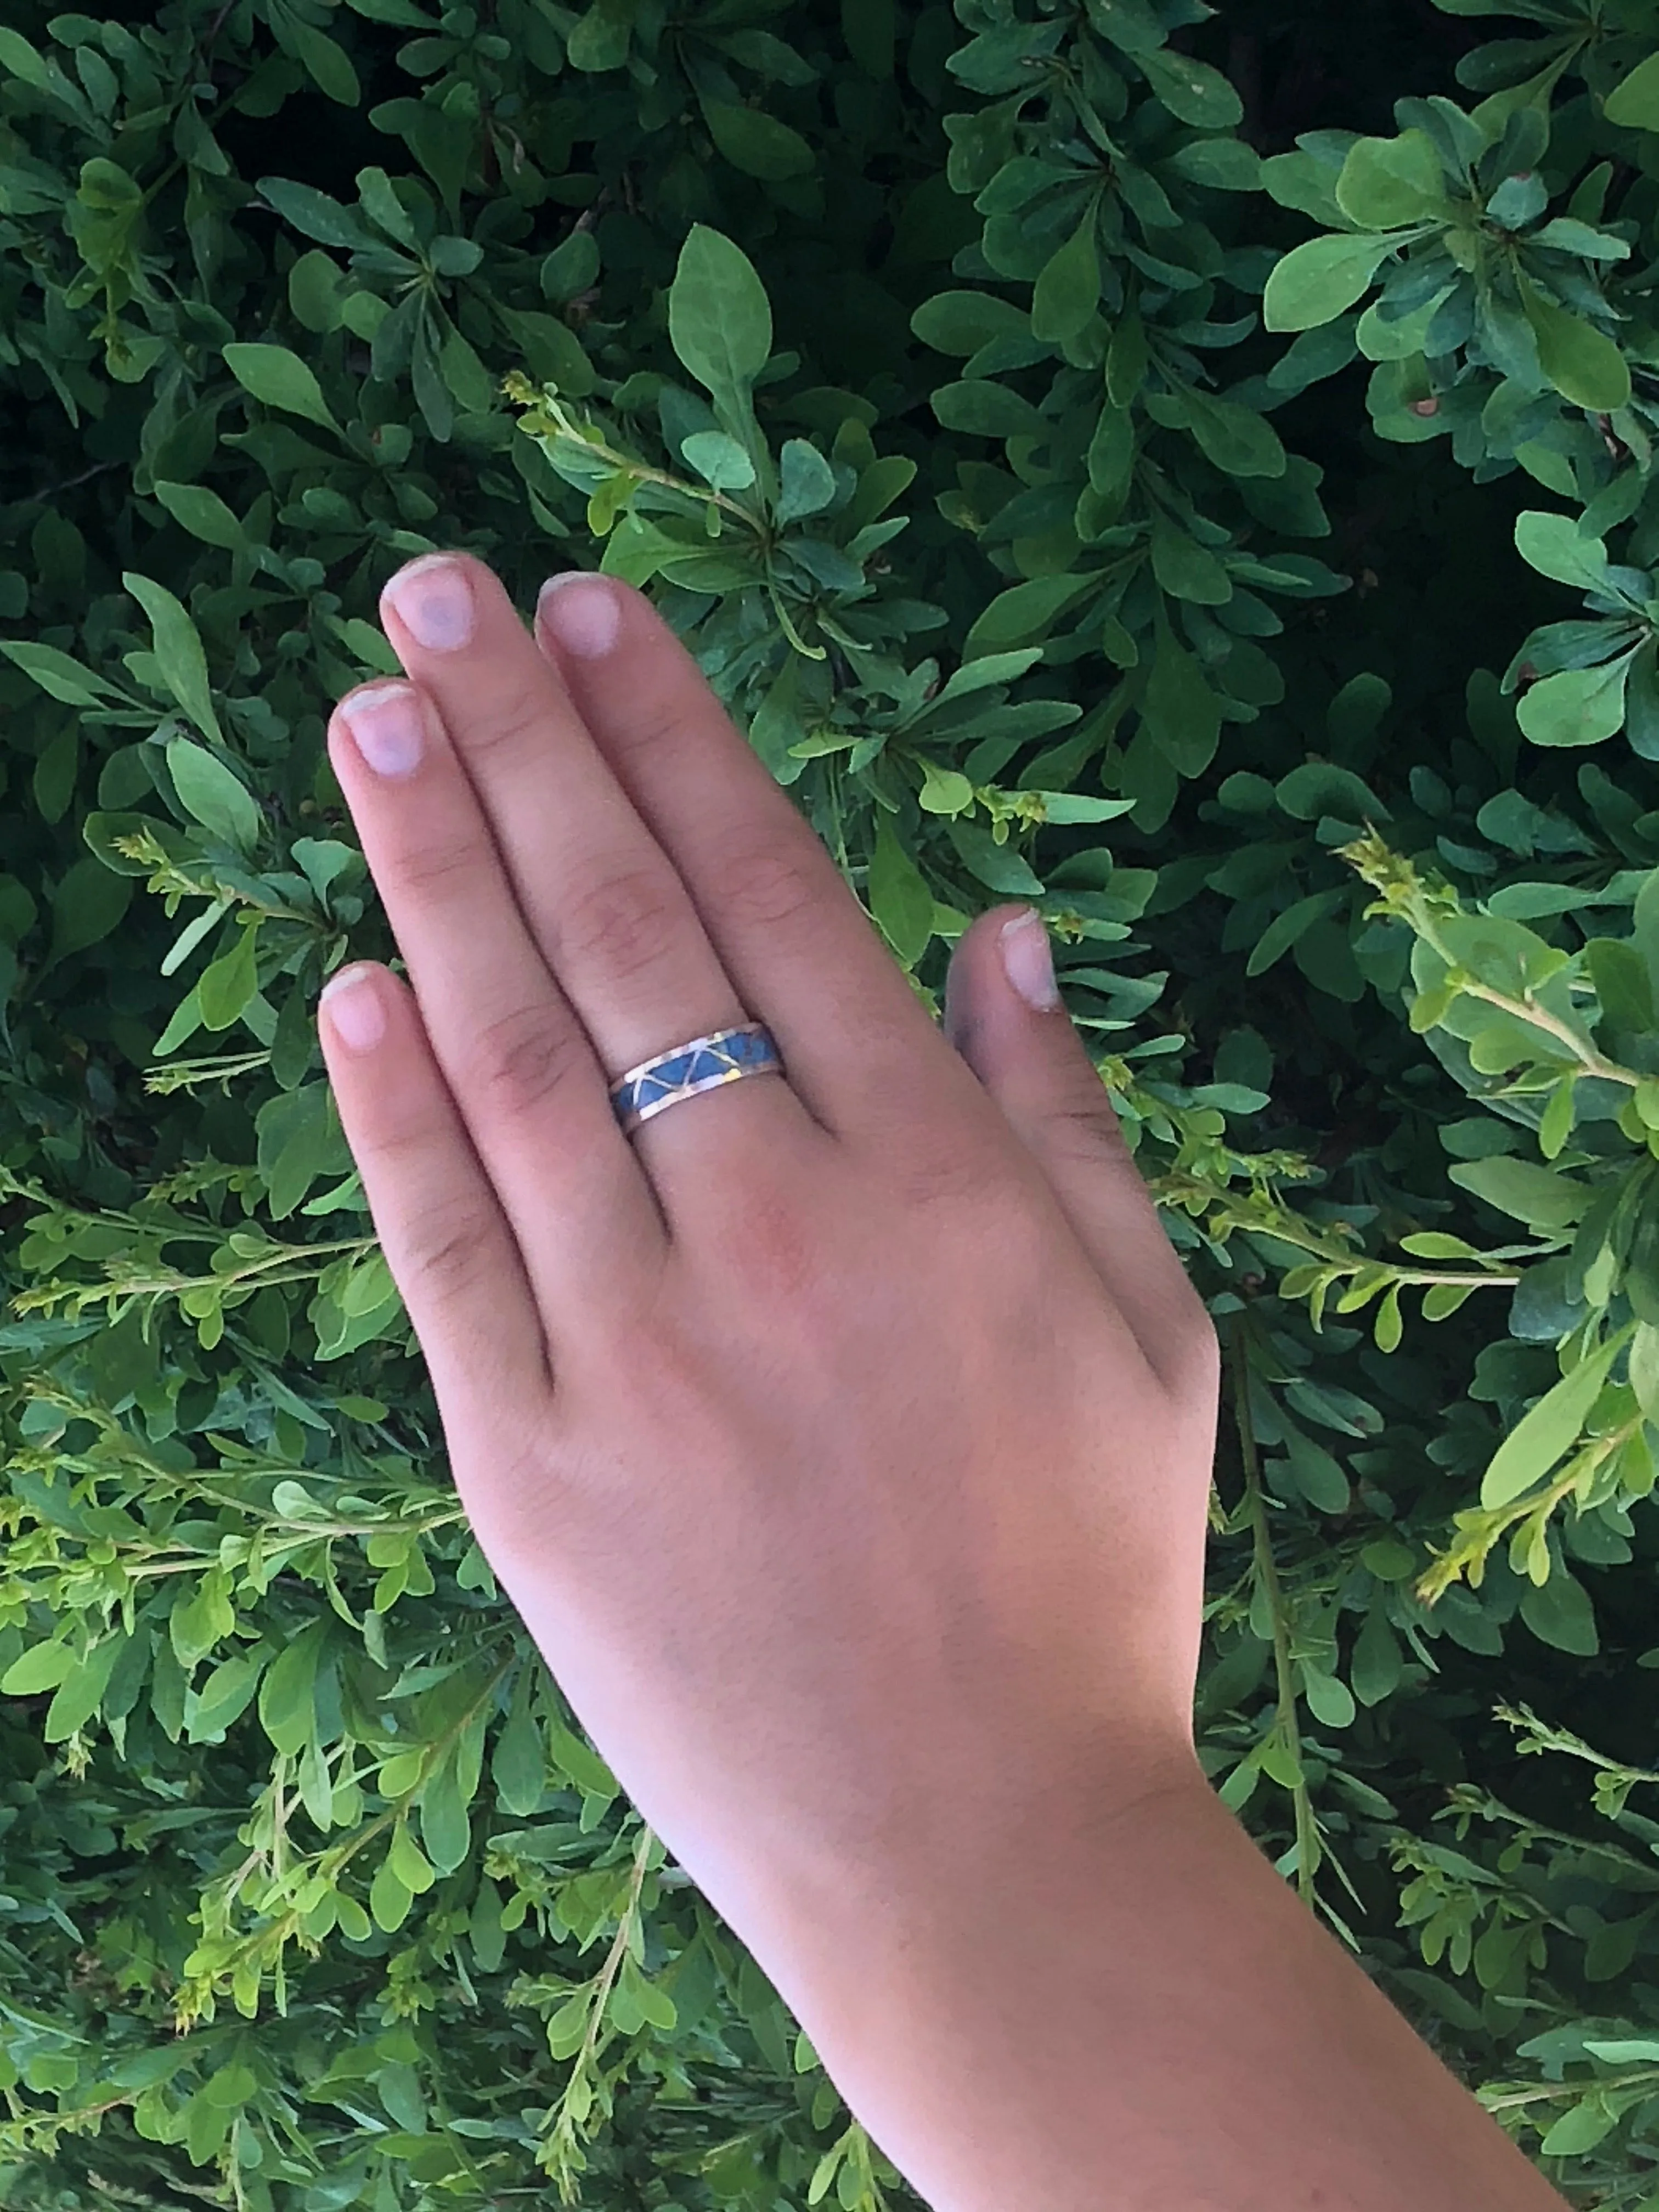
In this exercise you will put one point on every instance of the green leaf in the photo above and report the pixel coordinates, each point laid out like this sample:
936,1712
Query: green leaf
1315,281
326,61
1067,292
1634,101
1376,1666
177,650
229,987
82,1690
204,513
88,903
719,322
210,794
1237,439
962,322
224,1697
1388,182
1180,710
389,1899
53,781
1551,1427
944,791
201,1617
1320,787
42,1667
384,206
807,481
1317,1473
1625,2050
899,897
1559,1613
469,382
985,409
983,671
1329,1701
1622,982
1024,611
445,1828
300,1140
1576,706
1131,25
22,60
601,40
1192,91
1556,1127
719,460
999,867
277,378
1644,928
60,674
1283,932
1186,569
287,1700
519,1766
1584,367
580,1763
315,214
1554,544
1541,1197
407,1862
432,394
757,144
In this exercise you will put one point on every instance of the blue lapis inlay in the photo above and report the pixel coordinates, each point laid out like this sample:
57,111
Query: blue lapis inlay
680,1073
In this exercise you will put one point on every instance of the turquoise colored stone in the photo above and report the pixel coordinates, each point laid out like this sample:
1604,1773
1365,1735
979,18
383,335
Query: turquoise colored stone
685,1069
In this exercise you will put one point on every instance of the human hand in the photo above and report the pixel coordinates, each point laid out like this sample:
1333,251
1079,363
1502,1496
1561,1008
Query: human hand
844,1441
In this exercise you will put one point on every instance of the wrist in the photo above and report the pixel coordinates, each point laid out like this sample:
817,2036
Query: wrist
936,1988
904,1918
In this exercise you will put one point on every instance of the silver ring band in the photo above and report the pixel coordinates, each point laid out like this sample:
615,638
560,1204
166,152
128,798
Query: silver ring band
702,1064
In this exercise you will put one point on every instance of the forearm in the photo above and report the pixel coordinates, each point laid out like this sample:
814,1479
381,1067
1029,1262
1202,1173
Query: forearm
1155,2022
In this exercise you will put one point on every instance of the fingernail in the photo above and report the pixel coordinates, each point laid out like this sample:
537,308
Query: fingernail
433,599
581,611
1027,961
386,727
355,1009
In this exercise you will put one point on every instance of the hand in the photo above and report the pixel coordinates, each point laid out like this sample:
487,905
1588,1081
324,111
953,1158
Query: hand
844,1440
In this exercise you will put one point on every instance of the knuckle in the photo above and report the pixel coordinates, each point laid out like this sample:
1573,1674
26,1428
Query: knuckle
519,1059
624,925
963,1178
442,870
653,724
512,725
1088,1136
775,1254
453,1254
769,889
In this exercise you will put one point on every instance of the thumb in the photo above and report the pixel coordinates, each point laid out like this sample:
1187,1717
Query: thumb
1005,1016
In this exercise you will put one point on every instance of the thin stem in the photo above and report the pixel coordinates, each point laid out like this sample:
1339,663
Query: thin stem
1511,2100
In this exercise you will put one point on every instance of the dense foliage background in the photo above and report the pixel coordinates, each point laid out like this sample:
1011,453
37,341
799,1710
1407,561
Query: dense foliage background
1191,467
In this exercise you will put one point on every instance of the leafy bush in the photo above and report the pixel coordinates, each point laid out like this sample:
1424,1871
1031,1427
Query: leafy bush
931,370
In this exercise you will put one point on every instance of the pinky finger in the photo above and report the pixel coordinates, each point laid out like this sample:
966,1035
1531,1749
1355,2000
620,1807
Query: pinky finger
444,1238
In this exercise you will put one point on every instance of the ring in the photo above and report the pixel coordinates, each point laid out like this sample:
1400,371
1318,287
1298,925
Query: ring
702,1064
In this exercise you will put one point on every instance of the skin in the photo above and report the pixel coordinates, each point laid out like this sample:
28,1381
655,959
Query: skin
844,1441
